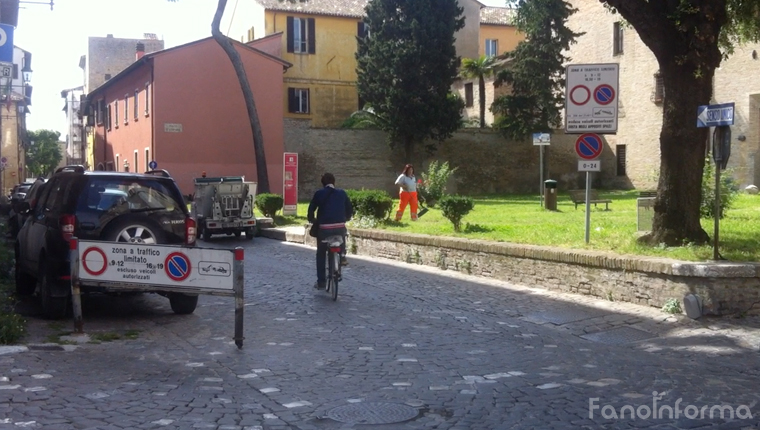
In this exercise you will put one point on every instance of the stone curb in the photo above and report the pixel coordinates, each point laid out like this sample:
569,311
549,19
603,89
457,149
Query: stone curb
600,259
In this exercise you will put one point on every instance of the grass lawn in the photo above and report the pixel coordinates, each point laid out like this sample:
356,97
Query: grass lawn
520,219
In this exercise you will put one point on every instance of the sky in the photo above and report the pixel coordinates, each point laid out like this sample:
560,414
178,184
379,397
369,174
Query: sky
58,38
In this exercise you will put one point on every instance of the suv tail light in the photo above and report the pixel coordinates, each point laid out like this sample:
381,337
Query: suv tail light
191,231
67,226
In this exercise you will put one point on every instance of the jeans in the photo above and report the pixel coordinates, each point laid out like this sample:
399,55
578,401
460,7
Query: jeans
322,249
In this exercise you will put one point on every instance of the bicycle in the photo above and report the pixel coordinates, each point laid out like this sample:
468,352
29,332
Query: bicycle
333,264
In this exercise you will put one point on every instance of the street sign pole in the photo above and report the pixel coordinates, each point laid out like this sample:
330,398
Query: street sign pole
716,254
588,205
541,174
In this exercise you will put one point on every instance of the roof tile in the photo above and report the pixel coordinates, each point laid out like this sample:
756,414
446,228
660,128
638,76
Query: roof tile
347,8
497,15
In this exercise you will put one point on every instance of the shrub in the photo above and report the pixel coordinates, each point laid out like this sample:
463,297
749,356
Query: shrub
12,327
728,190
370,203
269,204
454,208
433,184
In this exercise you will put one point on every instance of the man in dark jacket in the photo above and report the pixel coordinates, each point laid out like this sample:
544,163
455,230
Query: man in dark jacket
333,209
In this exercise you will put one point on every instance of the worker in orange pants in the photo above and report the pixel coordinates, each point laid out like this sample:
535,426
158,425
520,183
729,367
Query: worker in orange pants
407,192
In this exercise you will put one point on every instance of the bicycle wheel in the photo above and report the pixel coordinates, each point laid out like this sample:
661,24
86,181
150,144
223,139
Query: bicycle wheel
333,279
328,274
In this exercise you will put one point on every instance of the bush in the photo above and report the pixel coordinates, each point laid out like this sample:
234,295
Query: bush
454,208
370,203
269,204
729,188
433,184
12,327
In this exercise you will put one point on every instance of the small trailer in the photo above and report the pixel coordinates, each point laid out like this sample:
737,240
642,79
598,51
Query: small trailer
224,205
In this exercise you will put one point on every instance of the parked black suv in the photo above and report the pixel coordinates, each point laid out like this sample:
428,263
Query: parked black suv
110,206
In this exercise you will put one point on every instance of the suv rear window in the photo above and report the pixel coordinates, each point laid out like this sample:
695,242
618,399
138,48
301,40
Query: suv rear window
129,194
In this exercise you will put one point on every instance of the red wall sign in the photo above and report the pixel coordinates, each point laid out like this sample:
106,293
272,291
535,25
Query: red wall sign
290,183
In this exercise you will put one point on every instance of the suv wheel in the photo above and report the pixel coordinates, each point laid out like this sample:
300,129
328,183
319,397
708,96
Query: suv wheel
133,230
25,284
183,304
52,307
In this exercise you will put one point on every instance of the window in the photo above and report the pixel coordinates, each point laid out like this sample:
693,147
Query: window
658,95
116,114
298,100
147,97
147,158
126,109
492,47
100,112
108,117
617,38
363,30
15,71
620,156
137,106
137,162
118,165
468,95
301,35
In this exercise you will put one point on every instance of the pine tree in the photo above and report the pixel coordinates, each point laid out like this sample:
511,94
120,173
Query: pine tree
406,65
536,72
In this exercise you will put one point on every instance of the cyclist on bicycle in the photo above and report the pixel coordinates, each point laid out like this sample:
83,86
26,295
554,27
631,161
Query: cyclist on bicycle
333,209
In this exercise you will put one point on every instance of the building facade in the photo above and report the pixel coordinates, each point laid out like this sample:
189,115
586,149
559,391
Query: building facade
319,39
108,56
16,99
76,143
641,95
155,110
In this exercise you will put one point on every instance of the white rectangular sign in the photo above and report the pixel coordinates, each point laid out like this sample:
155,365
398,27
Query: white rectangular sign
589,166
591,98
541,139
163,265
172,128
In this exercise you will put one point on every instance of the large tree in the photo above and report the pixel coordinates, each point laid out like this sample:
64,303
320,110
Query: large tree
689,38
406,66
262,177
536,70
44,153
479,68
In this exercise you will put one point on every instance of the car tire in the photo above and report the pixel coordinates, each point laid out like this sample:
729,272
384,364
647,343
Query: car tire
52,307
205,234
183,304
25,283
134,230
238,234
250,233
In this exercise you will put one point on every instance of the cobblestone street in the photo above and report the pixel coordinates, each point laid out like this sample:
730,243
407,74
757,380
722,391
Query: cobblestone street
404,347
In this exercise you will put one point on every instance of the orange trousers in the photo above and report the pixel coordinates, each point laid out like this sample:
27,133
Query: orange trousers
407,198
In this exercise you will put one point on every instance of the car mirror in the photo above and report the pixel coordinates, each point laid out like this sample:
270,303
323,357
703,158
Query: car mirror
24,207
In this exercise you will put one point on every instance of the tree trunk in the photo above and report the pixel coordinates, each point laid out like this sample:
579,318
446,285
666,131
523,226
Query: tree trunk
262,176
682,147
482,91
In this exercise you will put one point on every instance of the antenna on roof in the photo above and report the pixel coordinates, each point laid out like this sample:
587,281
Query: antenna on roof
150,36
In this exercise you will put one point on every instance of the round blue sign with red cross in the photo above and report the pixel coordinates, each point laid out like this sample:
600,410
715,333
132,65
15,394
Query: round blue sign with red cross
589,146
177,266
604,94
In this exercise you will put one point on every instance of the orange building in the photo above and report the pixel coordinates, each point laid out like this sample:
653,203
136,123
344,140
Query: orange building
183,108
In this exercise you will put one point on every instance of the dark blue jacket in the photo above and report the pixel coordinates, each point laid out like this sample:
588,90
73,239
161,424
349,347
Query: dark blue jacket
332,207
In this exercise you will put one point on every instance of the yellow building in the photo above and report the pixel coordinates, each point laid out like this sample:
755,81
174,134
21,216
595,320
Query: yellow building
320,41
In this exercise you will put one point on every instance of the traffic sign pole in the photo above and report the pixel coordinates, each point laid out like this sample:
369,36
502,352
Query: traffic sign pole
541,174
588,205
76,296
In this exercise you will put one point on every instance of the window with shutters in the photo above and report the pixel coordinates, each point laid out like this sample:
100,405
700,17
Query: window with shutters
147,97
298,100
301,35
136,105
492,47
108,117
658,94
116,114
620,156
363,30
617,38
468,95
126,109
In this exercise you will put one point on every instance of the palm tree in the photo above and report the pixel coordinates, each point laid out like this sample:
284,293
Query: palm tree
480,68
225,42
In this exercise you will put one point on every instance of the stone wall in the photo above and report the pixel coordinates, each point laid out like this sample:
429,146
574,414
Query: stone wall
723,287
486,162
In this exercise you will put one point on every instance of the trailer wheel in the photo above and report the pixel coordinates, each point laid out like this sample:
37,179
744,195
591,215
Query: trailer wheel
250,233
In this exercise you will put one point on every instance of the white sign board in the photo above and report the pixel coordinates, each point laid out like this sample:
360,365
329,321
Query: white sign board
589,166
541,138
591,98
164,265
172,127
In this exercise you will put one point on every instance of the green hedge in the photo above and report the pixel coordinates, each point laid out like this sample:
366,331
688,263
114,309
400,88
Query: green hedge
269,204
370,203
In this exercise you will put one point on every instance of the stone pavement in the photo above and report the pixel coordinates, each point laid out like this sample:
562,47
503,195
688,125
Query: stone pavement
404,347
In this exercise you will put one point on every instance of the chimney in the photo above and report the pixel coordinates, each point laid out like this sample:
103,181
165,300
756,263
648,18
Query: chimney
139,50
109,36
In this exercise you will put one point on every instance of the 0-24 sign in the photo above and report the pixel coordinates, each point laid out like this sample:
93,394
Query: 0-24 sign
589,166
